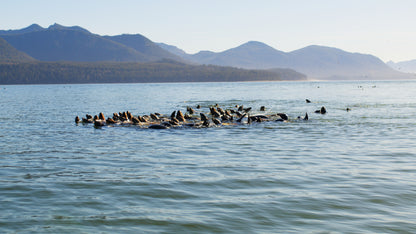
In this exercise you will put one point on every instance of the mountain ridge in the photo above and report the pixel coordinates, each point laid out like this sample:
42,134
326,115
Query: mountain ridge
318,62
143,45
9,54
408,66
61,43
30,28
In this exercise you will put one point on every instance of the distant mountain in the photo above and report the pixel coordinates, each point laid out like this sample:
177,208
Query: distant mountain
61,27
172,49
9,54
60,43
251,55
332,63
317,62
404,66
143,45
31,28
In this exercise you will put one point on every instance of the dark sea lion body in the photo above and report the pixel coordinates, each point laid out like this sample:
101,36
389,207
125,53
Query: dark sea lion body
190,110
283,116
158,126
321,111
99,123
203,117
216,121
247,109
135,120
241,118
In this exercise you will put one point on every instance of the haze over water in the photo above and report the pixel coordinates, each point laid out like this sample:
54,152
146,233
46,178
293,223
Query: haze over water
346,172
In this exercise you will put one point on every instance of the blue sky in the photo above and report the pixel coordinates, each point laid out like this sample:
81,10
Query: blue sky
382,28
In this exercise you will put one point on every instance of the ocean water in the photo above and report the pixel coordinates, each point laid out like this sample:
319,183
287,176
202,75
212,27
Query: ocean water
342,172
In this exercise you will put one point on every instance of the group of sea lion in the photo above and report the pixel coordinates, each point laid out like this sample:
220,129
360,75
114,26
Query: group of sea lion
214,116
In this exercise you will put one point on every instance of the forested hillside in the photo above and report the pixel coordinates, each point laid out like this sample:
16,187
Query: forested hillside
163,71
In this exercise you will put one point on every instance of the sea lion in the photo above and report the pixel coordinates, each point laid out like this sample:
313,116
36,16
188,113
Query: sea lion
189,117
203,117
259,118
77,120
180,116
214,112
167,124
308,101
129,115
174,121
99,123
216,121
304,118
262,108
141,119
190,110
247,109
110,121
241,118
135,120
158,126
85,121
283,116
154,116
240,108
225,117
124,117
101,116
321,111
206,123
198,106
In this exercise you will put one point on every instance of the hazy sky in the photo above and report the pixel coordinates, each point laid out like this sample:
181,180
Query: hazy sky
382,28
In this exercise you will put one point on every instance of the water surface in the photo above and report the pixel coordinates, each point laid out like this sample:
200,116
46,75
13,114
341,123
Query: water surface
346,172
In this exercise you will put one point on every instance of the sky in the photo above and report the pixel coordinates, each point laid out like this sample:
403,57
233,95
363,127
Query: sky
383,28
